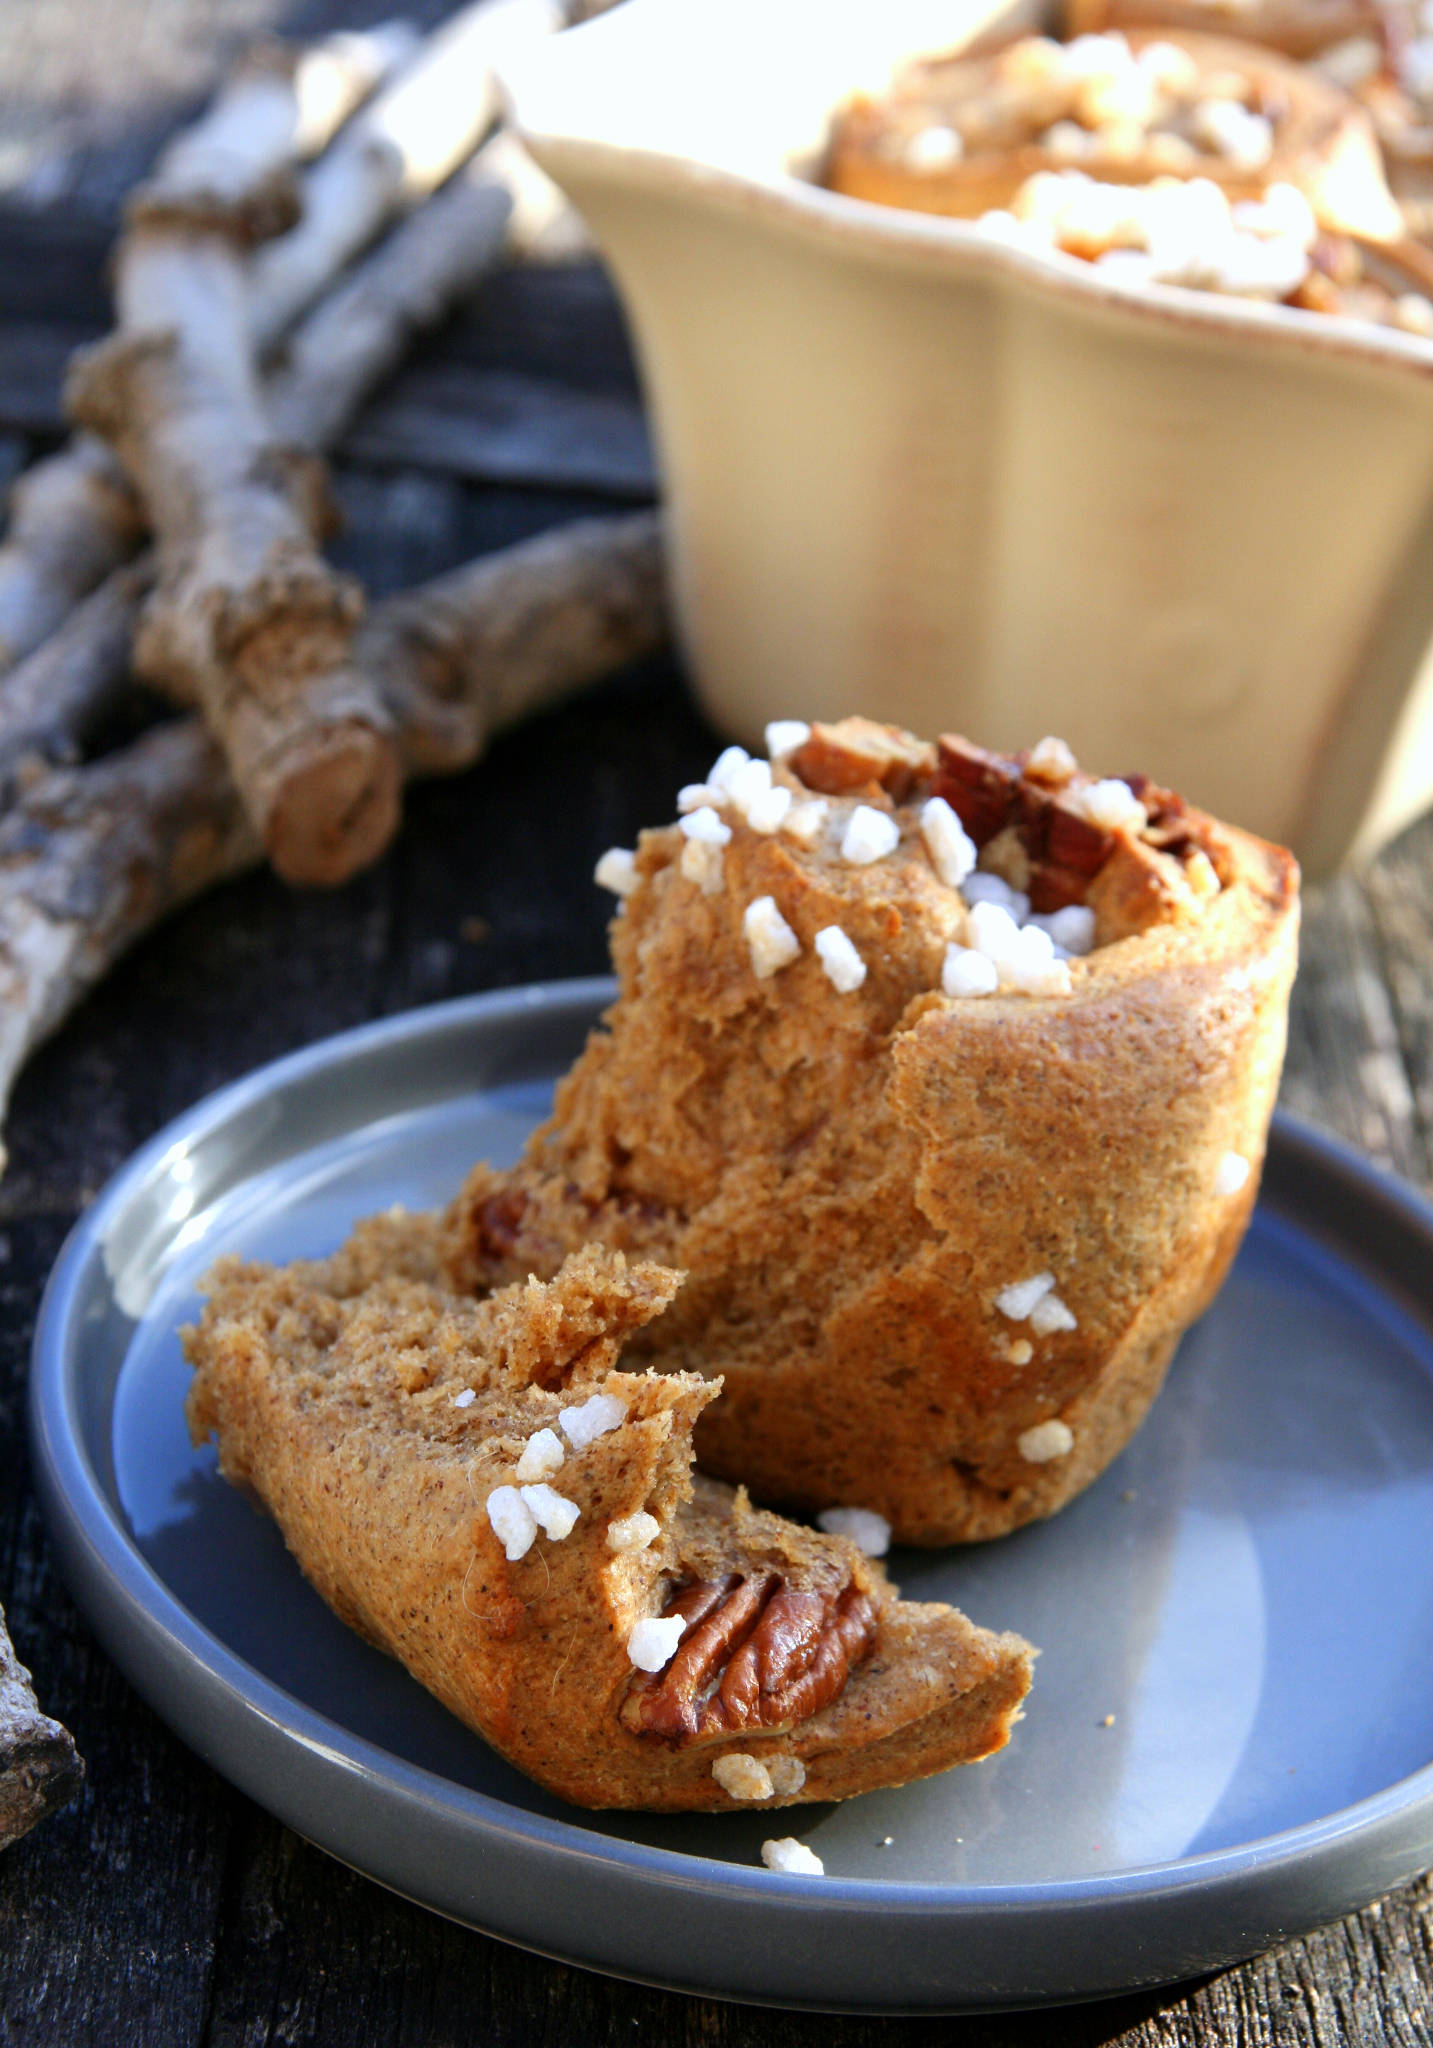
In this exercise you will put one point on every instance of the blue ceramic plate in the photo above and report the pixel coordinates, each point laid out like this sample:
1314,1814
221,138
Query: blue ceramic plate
1230,1735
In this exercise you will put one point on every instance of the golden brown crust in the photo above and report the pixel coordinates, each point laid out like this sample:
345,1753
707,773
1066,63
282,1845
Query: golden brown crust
330,1388
850,1180
1324,141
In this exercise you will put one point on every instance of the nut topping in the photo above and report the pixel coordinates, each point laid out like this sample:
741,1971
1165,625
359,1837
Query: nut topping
858,757
754,1654
1066,850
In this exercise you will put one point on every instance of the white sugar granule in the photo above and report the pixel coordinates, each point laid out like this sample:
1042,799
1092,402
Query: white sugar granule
704,864
867,1530
785,735
805,822
1046,1441
617,871
983,888
465,1399
869,836
793,1857
1232,1173
845,969
1017,1300
769,938
968,973
1073,928
583,1424
704,824
653,1643
787,1775
767,811
742,1777
726,766
696,796
1051,761
633,1532
554,1514
951,849
512,1522
542,1455
1049,1315
1112,805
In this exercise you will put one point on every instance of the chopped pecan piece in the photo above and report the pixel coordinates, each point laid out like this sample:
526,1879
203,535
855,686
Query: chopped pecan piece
982,789
755,1655
847,758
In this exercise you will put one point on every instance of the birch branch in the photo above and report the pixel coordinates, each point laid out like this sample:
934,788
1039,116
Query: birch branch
55,699
91,858
74,517
502,205
39,1766
404,145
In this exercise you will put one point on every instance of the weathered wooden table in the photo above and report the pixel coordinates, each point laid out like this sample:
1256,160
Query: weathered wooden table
165,1908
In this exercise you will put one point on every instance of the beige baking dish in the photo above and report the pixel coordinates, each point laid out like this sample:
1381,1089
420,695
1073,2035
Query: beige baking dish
921,474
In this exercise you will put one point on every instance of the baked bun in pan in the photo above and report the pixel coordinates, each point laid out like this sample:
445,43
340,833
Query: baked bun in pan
481,1491
947,1187
1180,104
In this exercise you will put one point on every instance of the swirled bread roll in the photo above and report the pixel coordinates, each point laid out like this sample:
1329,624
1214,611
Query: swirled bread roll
951,1154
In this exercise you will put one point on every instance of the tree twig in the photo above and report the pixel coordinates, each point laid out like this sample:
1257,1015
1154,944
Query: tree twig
40,1769
73,515
92,857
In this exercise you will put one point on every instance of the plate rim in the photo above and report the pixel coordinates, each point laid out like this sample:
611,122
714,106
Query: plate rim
139,1620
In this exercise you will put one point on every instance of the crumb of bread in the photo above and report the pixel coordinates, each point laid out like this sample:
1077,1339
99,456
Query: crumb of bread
869,836
951,849
704,824
542,1456
583,1424
465,1399
1047,1440
702,863
1017,1300
554,1514
653,1642
512,1522
742,1777
1233,1171
844,967
617,871
632,1532
1049,1315
869,1531
804,822
968,973
787,1775
770,939
793,1857
785,735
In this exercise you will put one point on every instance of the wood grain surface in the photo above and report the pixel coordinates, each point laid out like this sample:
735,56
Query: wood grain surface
164,1908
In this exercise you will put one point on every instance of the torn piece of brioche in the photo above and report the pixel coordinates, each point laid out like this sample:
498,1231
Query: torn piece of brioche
479,1490
945,1077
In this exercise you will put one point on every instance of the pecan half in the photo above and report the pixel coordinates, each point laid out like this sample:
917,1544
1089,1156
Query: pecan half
755,1655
